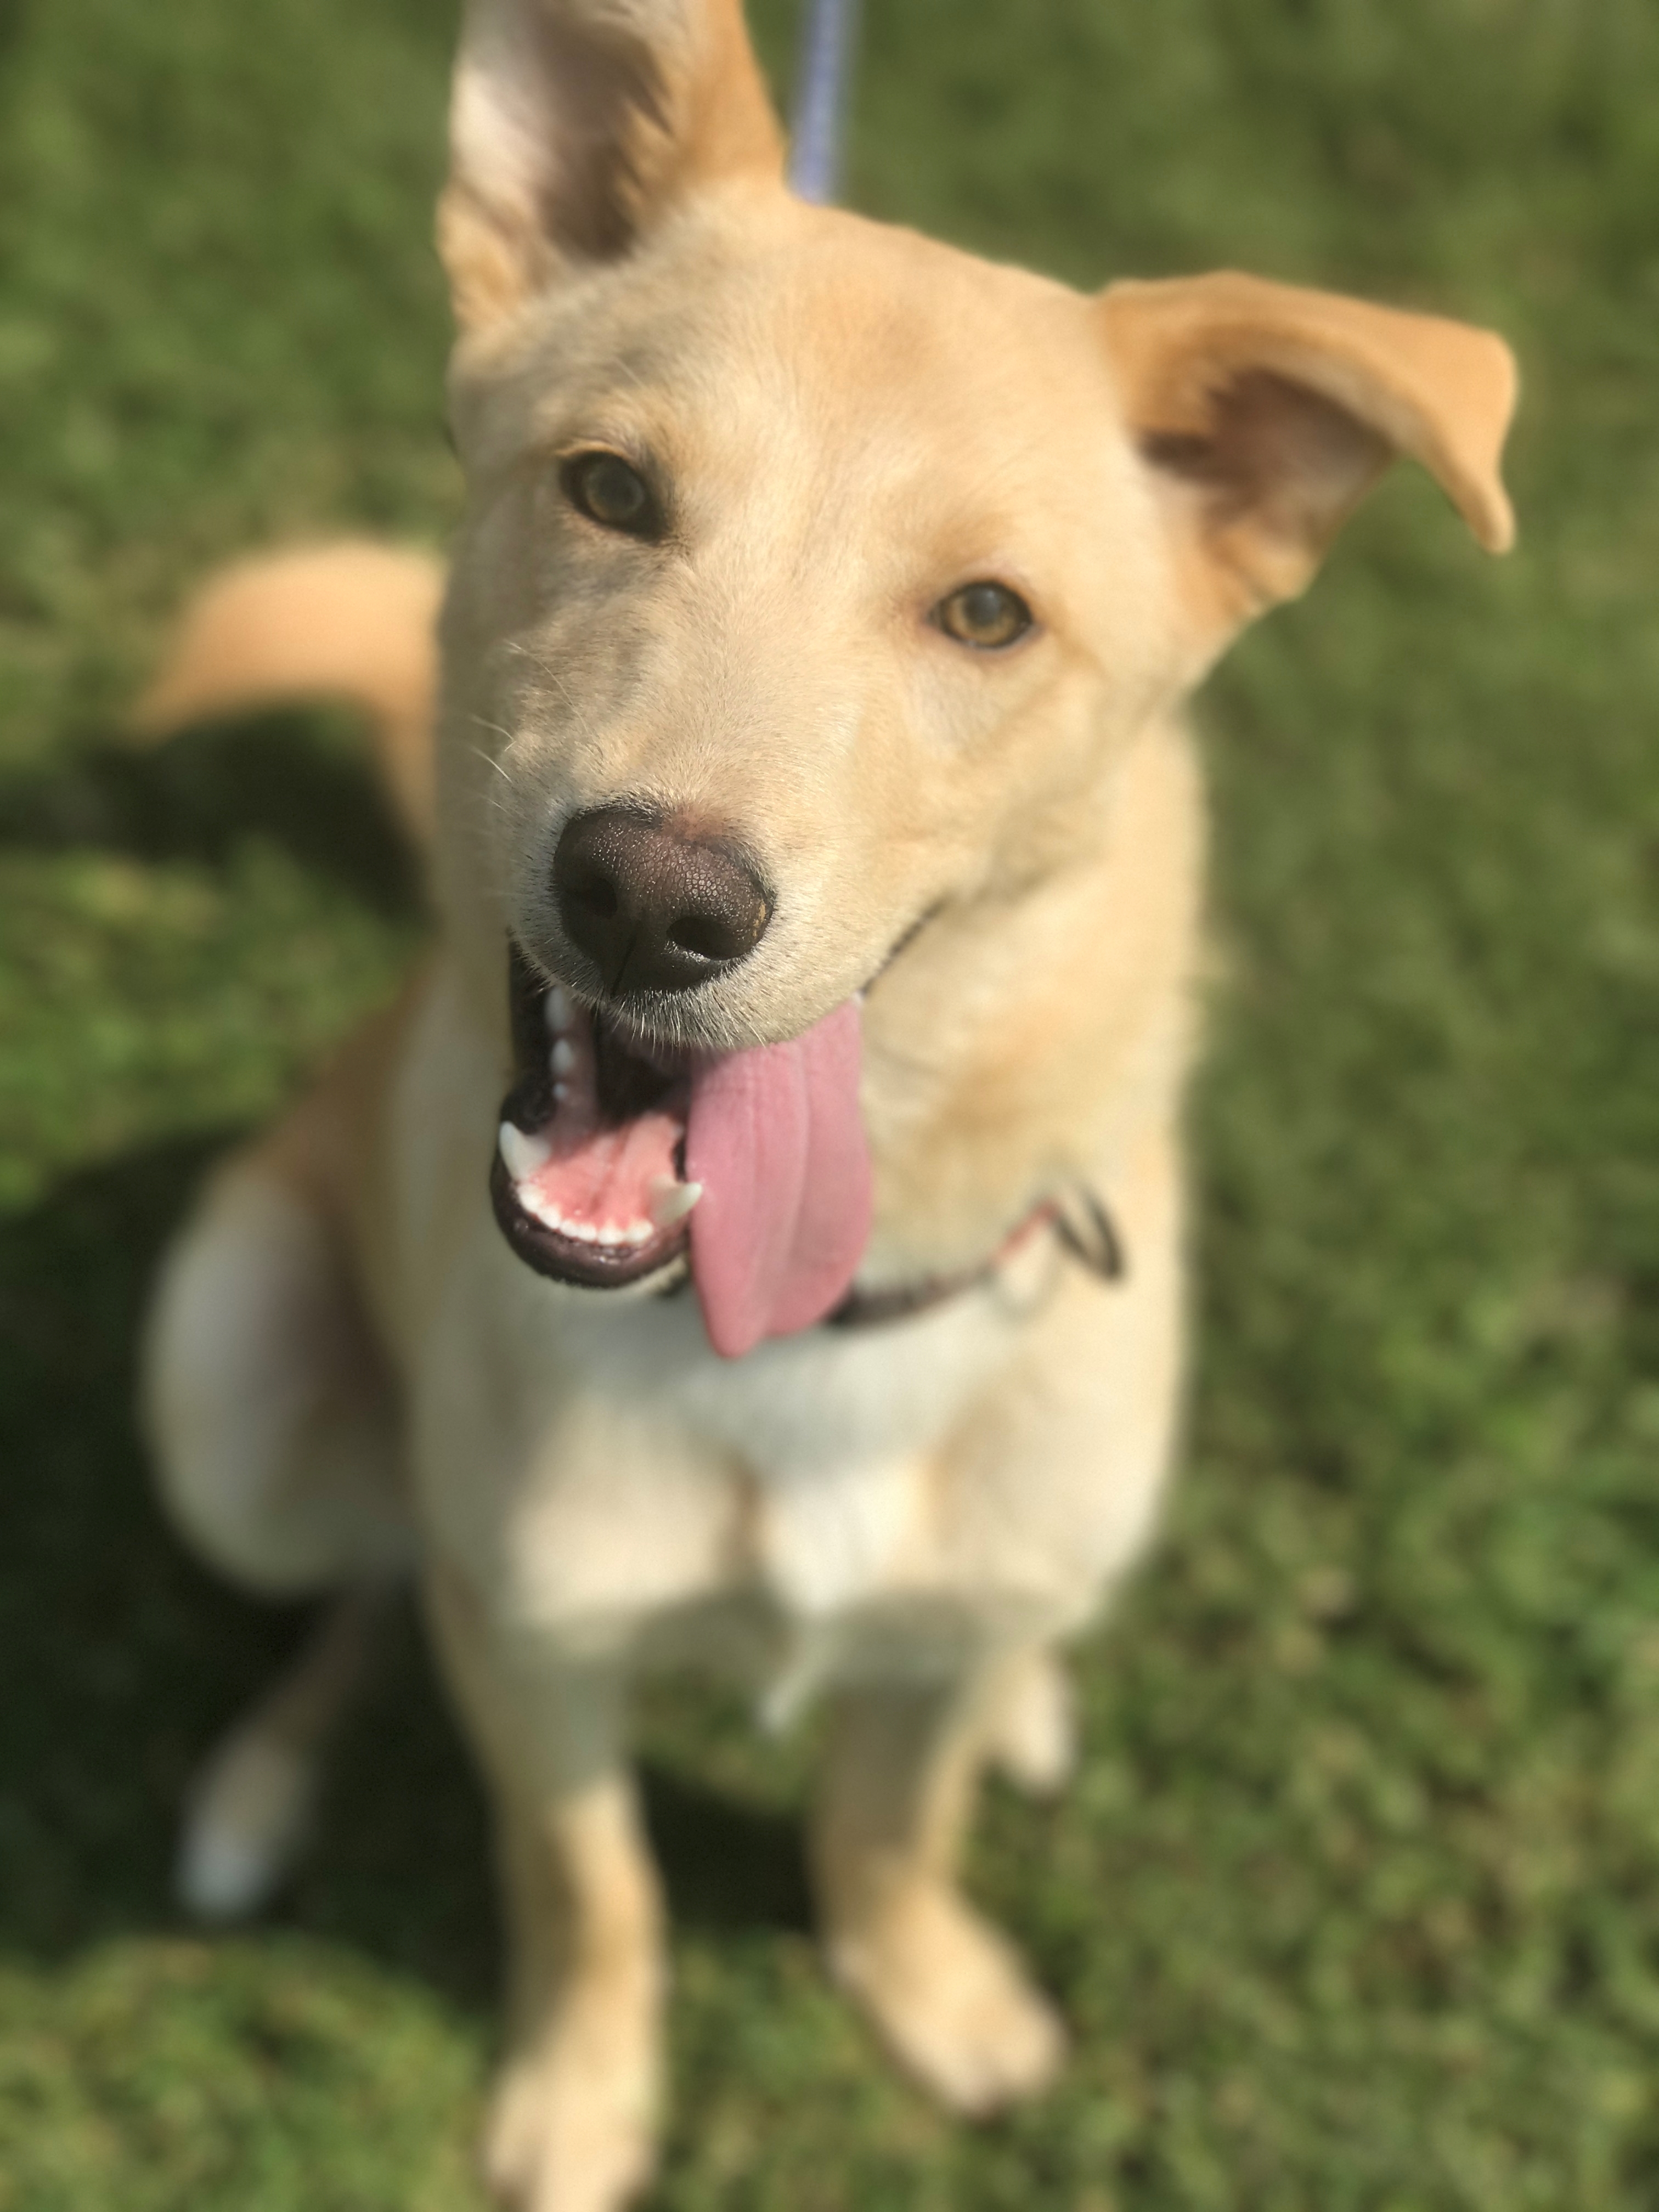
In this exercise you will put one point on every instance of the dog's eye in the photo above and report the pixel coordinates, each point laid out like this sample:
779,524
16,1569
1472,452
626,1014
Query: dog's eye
607,490
988,616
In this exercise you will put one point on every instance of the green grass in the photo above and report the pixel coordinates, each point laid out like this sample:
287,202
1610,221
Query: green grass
1356,1905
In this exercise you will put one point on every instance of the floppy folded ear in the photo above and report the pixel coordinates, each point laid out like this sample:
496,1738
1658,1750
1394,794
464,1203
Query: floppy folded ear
1270,411
575,124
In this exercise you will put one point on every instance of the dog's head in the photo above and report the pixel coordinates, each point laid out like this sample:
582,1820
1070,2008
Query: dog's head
815,574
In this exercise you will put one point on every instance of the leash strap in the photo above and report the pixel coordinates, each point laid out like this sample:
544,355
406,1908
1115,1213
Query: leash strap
826,58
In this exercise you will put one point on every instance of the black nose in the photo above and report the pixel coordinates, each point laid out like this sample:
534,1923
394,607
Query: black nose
654,908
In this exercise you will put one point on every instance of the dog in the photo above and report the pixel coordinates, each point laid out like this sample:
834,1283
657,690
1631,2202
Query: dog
754,1240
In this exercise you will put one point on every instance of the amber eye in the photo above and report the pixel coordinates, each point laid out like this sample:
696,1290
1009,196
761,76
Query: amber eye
607,490
988,616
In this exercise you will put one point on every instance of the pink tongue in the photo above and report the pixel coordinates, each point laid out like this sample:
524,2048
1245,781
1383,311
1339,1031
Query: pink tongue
775,1140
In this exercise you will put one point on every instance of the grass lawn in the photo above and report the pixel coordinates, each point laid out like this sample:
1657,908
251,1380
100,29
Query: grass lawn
1355,1907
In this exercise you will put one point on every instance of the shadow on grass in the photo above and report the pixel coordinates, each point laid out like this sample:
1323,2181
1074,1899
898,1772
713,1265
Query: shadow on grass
297,778
123,1662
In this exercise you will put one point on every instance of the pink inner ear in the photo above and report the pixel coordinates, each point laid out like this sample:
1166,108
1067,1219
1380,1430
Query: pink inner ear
1289,403
575,128
775,1138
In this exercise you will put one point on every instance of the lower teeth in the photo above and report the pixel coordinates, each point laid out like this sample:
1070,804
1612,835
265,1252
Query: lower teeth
612,1237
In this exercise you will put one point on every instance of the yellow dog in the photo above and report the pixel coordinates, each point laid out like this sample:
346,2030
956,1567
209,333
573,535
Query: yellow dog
755,1241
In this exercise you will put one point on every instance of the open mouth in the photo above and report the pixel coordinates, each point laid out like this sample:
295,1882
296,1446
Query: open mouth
588,1182
617,1164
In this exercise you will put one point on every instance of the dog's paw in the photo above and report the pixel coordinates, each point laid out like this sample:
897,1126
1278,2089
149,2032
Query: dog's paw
571,2128
950,1998
249,1817
1033,1736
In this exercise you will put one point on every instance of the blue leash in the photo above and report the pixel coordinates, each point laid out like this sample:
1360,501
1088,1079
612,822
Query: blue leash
821,98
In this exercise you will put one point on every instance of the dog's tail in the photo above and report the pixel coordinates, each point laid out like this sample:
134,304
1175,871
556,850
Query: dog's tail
352,620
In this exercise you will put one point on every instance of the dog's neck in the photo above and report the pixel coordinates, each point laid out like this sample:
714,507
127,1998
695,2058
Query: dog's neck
1025,1036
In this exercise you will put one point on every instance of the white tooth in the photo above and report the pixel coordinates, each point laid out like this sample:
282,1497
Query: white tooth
555,1009
583,1231
638,1233
560,1092
523,1155
671,1201
562,1058
609,1235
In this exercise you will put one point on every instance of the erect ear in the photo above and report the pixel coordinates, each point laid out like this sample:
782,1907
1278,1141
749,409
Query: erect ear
1270,411
575,124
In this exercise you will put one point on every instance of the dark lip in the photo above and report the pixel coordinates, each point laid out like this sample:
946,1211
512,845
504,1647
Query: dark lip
528,1105
902,943
562,1259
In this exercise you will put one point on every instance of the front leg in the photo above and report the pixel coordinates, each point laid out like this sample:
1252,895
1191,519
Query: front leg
945,1989
572,2122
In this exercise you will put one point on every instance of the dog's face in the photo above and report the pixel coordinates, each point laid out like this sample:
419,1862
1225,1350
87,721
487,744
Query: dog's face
842,555
815,574
822,545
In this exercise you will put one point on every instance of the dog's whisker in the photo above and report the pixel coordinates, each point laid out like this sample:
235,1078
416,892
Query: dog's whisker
570,699
495,729
481,752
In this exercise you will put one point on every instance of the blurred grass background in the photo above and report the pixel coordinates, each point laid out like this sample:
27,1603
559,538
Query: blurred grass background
1356,1903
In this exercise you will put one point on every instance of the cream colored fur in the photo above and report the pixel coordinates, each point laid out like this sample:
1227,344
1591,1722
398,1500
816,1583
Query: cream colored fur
903,1520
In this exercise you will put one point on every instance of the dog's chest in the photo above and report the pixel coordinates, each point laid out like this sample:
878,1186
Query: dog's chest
629,1481
829,1443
